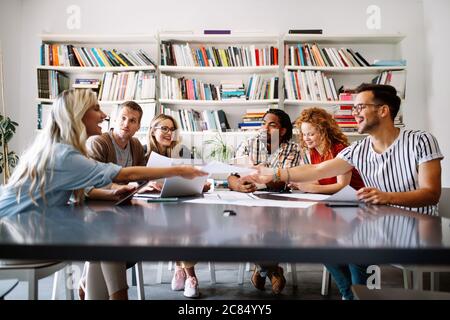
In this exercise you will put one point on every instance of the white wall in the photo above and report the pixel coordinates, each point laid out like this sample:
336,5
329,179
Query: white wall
437,44
10,20
136,16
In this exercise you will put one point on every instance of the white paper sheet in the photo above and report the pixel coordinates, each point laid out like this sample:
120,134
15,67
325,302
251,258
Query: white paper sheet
304,196
346,194
156,160
216,167
247,199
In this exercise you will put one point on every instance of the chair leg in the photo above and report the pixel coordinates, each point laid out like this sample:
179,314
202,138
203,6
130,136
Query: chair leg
212,272
68,282
140,281
418,280
293,268
247,267
406,278
326,282
170,266
241,273
55,284
159,272
32,285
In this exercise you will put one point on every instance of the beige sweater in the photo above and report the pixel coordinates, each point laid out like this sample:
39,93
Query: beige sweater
101,149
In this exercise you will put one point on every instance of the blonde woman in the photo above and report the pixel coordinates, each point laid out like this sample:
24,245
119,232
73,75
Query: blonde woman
48,174
163,139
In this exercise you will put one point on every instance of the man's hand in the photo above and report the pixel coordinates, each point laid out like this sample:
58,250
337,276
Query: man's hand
263,176
374,196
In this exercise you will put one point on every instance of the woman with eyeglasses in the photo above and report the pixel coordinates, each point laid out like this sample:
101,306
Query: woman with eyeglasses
322,139
163,139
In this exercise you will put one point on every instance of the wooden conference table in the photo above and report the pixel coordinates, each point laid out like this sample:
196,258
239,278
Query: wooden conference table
145,231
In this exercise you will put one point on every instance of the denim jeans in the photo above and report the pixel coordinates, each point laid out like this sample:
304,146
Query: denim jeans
346,275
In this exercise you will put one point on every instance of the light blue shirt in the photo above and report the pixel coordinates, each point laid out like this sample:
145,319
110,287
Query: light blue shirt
71,171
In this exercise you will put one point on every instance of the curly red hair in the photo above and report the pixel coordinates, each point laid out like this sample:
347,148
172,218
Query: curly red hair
325,124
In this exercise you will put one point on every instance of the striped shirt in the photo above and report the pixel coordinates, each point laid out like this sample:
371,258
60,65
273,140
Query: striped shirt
397,168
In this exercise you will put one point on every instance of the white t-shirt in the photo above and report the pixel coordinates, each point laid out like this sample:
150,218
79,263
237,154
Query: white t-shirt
397,168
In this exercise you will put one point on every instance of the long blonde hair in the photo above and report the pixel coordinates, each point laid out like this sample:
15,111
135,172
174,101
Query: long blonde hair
152,144
65,125
326,125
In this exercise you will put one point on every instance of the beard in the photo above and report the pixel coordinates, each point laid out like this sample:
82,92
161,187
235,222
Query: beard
369,125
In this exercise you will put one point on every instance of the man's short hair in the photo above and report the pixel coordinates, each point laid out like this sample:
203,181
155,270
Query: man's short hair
383,94
133,106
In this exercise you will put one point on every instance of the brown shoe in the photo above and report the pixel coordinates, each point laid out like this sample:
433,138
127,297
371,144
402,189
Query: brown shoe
258,281
277,279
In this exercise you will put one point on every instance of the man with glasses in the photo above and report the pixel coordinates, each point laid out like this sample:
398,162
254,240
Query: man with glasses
401,168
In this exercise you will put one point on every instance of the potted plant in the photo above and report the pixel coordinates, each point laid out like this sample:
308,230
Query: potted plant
8,159
217,149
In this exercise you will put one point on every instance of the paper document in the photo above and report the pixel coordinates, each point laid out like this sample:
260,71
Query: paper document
346,194
246,199
305,196
156,160
216,167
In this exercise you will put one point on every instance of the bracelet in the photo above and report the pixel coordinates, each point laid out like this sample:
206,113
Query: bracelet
276,174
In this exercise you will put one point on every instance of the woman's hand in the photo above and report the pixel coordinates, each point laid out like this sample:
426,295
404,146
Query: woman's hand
207,186
152,186
304,186
374,196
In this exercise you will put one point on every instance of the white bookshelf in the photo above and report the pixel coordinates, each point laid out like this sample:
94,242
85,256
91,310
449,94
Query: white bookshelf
371,47
146,42
233,108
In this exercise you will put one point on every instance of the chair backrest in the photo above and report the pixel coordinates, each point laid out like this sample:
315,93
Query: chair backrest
444,203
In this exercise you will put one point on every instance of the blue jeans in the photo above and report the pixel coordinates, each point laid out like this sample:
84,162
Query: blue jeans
346,275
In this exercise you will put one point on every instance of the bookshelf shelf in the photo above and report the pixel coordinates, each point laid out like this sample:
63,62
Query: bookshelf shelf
346,39
218,102
288,102
213,133
98,38
49,101
219,70
97,69
253,38
360,70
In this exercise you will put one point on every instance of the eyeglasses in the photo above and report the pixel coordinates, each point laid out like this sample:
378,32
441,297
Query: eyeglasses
165,129
360,106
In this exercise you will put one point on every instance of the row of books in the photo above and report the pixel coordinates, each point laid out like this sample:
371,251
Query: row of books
397,79
312,55
253,119
193,89
262,88
188,89
51,83
345,119
246,56
310,86
191,120
133,85
68,55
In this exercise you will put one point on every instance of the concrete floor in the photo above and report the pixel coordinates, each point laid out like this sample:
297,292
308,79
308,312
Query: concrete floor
309,279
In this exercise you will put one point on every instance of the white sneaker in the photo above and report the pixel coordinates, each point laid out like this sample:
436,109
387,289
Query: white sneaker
178,279
191,288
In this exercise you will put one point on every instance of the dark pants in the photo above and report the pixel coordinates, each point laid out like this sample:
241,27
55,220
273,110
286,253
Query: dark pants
346,275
